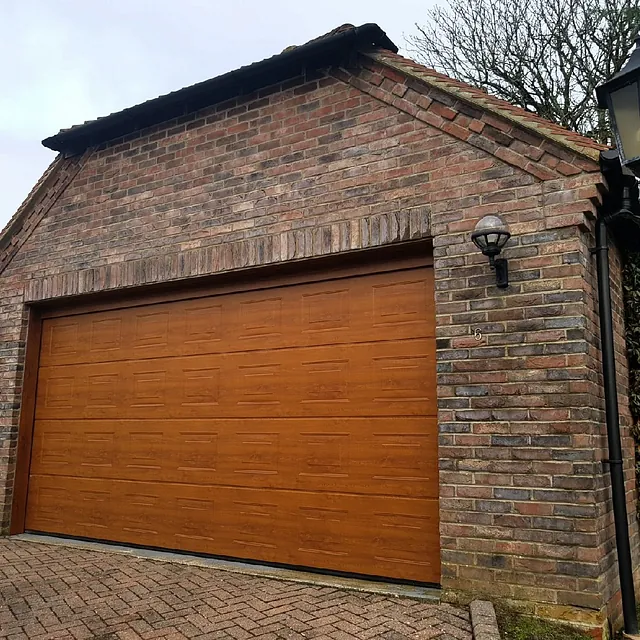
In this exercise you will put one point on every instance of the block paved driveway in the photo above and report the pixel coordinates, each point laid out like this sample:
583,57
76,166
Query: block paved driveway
54,591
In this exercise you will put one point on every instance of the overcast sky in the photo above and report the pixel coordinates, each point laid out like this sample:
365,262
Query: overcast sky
66,61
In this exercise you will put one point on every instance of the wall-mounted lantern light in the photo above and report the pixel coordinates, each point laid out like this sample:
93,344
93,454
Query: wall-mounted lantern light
621,96
490,236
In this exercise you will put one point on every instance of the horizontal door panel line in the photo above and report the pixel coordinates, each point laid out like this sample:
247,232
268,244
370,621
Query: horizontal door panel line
345,494
415,497
324,418
338,419
243,351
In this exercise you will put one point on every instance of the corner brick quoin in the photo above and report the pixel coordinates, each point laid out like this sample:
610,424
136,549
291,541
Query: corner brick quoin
351,159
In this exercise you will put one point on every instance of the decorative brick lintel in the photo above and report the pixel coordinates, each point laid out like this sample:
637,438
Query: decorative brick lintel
370,232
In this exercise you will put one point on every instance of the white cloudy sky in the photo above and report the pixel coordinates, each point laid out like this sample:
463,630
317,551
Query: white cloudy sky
66,61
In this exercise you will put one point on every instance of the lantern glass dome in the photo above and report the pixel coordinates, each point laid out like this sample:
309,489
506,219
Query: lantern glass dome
490,235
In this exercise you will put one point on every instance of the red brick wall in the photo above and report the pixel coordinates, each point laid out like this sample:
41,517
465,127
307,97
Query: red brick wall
352,160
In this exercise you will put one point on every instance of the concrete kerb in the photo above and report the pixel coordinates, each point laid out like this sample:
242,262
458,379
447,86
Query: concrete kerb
483,621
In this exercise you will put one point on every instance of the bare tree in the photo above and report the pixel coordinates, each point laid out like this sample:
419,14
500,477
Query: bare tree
546,56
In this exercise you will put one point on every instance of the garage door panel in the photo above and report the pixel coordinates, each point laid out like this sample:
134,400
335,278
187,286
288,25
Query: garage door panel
80,391
342,456
75,448
321,530
383,456
293,424
404,539
141,515
380,378
62,340
253,523
376,529
180,451
92,506
46,504
194,452
324,313
55,449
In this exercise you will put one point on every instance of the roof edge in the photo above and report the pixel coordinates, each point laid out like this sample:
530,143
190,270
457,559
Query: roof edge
515,115
51,185
16,221
322,51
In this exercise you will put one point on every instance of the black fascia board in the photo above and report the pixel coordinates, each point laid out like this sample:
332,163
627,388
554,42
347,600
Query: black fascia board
323,52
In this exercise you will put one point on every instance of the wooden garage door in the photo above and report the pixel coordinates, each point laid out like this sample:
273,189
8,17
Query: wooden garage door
290,424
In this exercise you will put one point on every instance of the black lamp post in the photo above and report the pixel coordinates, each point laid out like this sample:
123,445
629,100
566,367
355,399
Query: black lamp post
620,95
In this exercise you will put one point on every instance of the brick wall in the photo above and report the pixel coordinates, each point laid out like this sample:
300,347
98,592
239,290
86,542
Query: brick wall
353,159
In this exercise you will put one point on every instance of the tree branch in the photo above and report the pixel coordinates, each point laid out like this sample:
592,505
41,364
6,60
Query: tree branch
546,56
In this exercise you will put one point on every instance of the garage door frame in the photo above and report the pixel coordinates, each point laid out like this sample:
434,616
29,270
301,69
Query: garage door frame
395,258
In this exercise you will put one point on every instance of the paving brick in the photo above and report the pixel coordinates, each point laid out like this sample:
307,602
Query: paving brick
53,591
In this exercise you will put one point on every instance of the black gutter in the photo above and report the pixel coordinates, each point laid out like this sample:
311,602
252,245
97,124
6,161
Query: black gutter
323,52
622,187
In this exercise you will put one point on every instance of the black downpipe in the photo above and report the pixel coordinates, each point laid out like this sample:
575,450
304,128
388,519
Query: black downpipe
613,431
